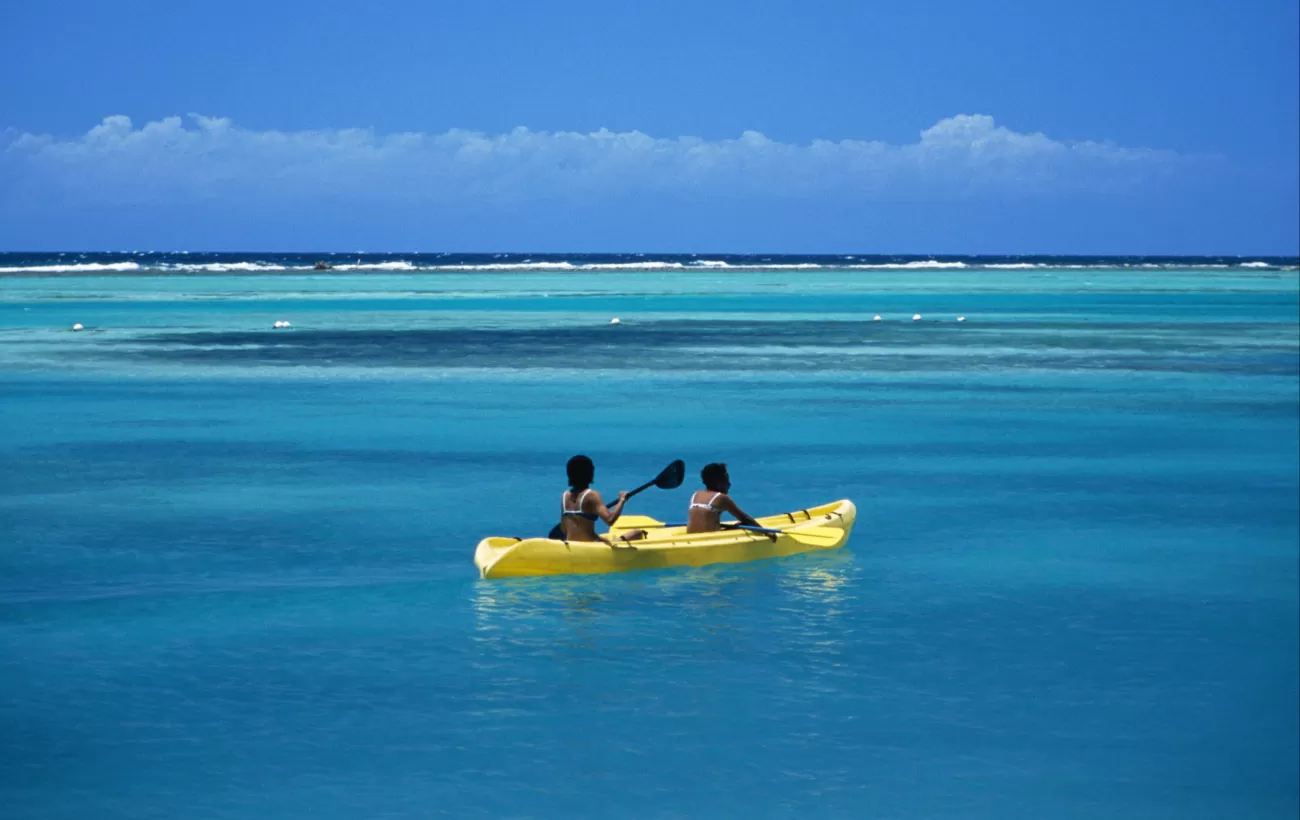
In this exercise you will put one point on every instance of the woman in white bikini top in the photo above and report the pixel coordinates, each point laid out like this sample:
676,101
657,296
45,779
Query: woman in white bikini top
707,505
581,506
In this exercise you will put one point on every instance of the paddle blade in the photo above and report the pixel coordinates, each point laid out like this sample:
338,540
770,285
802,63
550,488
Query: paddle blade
672,476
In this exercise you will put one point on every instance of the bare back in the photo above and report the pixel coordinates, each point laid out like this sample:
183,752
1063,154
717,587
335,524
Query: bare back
705,512
578,515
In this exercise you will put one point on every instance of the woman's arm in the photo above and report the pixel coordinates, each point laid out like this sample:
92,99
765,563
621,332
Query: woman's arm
727,505
609,514
730,506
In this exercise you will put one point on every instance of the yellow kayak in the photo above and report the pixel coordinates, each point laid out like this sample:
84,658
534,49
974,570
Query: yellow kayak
819,528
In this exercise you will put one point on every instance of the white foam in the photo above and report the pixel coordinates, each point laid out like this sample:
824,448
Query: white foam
927,264
376,266
514,266
403,266
632,266
226,267
88,267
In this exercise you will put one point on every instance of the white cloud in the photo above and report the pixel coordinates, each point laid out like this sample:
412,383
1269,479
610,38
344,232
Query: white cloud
213,158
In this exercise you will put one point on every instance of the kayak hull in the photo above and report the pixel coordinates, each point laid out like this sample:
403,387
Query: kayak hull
817,528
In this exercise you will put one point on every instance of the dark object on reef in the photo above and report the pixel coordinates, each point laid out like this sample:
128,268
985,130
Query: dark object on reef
320,265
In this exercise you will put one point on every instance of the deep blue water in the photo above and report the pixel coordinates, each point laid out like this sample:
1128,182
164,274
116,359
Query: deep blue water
236,571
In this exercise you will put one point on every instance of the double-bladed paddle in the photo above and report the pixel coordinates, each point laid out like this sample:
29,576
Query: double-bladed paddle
669,479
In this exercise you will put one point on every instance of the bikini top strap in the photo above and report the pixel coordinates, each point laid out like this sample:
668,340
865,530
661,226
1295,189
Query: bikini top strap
564,506
707,505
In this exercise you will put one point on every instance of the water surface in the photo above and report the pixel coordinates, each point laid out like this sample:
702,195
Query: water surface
236,575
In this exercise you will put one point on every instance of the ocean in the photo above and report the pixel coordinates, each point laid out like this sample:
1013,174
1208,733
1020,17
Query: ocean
236,575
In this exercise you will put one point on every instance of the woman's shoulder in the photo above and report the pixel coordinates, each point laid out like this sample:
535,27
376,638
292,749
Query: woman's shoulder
706,496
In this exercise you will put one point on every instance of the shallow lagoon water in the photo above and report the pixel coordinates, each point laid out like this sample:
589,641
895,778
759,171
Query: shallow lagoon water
236,577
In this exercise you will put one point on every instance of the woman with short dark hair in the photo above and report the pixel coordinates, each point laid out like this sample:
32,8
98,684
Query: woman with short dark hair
708,505
581,506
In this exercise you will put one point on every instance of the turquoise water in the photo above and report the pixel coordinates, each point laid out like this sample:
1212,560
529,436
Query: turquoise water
236,571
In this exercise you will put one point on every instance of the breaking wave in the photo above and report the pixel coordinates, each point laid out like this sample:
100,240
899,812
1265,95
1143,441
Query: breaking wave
198,263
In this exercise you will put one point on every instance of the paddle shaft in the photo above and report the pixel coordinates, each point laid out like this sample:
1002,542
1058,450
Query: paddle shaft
752,528
644,486
652,482
727,526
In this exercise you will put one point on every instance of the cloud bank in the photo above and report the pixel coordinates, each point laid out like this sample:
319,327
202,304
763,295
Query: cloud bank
212,158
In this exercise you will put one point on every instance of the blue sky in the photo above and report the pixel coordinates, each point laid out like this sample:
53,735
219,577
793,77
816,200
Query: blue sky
944,127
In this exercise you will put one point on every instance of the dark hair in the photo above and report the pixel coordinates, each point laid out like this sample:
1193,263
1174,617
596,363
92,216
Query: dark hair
714,475
581,471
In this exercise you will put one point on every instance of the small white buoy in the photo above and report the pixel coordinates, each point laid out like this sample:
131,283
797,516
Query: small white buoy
916,317
78,326
616,321
286,324
875,318
278,324
961,318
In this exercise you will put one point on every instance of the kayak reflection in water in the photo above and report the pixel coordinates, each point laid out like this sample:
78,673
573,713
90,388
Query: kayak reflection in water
708,505
581,506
